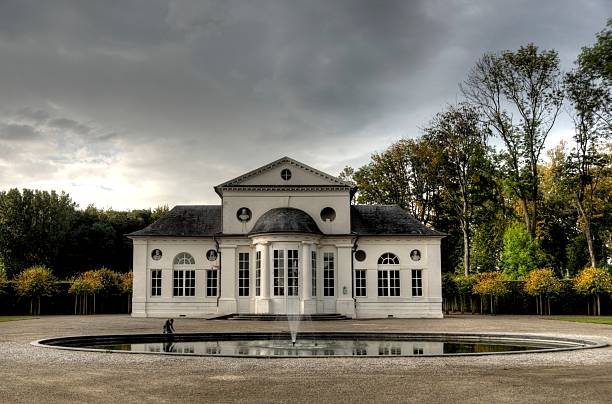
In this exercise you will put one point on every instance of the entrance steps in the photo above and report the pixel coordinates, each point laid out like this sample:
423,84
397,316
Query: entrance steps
284,317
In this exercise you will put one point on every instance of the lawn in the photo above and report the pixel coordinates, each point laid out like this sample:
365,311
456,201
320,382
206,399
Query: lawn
14,318
586,319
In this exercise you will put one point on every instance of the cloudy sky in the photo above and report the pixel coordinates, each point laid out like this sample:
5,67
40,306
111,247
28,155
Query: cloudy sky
135,104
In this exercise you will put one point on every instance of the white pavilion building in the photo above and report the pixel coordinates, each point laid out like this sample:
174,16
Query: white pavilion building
286,240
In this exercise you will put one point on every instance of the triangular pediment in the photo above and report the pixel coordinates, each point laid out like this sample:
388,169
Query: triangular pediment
284,172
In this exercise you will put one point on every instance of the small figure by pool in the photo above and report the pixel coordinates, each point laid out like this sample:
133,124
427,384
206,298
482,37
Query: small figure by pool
168,326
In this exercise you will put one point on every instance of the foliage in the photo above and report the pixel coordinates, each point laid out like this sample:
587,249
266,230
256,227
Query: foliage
593,281
405,174
490,284
461,139
597,59
542,281
520,95
520,254
125,285
35,282
34,226
465,284
86,283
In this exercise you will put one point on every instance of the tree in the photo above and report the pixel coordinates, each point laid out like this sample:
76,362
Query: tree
520,95
589,98
85,285
597,59
34,226
461,139
35,282
406,174
520,255
594,282
490,284
542,283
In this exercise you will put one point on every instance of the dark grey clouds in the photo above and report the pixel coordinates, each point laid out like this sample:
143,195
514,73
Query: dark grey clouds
139,103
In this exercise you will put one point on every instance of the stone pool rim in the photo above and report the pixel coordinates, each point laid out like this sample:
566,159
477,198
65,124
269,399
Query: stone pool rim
565,343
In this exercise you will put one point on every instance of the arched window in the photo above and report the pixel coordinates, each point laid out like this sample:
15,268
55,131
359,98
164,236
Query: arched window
388,259
184,259
388,275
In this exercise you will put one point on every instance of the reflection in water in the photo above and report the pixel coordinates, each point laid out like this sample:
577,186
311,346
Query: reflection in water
308,347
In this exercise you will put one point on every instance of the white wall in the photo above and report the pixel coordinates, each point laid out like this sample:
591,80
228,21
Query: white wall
310,202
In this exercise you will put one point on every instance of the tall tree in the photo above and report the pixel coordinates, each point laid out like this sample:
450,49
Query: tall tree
406,174
462,141
520,95
34,226
588,161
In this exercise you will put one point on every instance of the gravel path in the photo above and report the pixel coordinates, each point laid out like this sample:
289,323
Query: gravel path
34,374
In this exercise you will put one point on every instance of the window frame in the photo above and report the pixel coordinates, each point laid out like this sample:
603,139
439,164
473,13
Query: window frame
243,274
313,269
361,289
156,283
329,276
257,273
183,282
416,283
389,282
212,282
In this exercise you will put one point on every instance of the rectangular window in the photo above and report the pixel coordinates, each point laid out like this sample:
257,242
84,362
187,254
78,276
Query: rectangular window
156,282
388,282
313,263
184,282
328,274
243,274
417,282
211,282
360,282
258,273
279,272
292,272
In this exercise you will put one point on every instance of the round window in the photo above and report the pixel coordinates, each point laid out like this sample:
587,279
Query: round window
244,214
286,174
328,214
360,255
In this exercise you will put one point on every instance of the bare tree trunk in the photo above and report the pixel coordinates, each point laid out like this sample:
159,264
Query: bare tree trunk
598,305
466,243
526,218
586,228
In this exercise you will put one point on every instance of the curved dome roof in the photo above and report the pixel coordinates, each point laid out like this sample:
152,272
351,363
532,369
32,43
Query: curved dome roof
285,220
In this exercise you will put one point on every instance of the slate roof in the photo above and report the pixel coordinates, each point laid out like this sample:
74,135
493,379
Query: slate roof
186,220
386,220
285,220
206,220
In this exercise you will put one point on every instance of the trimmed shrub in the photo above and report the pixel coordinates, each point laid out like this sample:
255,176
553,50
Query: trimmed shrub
594,282
34,283
490,284
543,284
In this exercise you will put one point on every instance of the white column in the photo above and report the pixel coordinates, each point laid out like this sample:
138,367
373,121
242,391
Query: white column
344,304
308,306
263,304
227,300
139,288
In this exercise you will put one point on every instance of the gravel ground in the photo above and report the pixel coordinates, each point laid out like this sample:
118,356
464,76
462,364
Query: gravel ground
33,374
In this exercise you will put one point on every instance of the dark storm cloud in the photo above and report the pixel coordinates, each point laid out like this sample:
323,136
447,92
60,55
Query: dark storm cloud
191,93
17,132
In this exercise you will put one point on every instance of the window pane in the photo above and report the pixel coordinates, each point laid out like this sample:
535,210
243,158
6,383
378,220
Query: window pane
279,272
292,272
243,274
156,282
360,282
417,282
177,283
328,274
211,282
313,257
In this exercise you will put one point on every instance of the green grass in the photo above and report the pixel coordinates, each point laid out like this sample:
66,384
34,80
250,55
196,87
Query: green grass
14,318
586,319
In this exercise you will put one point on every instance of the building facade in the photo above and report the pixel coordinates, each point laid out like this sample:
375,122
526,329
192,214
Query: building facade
286,240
